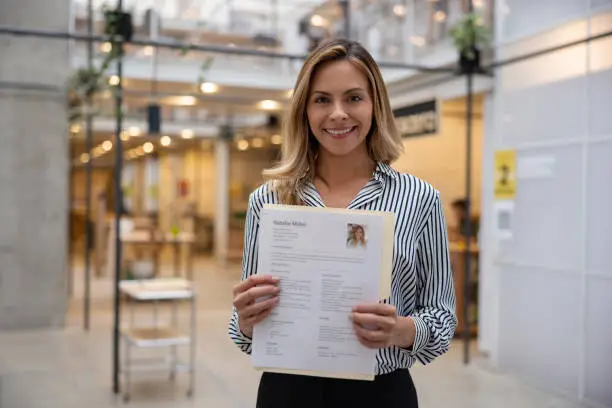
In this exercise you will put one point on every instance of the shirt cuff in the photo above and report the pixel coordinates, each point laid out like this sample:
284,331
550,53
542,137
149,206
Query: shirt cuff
421,335
239,338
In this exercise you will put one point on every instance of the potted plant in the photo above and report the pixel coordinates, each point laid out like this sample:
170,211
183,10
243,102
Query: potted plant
470,36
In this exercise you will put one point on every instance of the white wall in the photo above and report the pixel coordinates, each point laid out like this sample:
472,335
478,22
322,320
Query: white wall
547,292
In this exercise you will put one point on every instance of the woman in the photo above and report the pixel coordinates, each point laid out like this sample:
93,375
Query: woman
340,137
357,237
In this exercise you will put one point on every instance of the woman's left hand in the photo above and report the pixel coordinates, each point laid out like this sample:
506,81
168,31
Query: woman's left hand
375,324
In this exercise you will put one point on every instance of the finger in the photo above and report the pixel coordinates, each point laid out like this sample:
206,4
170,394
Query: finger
253,281
373,322
257,308
246,298
261,316
383,309
369,344
371,336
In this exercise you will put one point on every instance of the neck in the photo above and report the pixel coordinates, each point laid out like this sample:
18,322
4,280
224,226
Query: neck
337,170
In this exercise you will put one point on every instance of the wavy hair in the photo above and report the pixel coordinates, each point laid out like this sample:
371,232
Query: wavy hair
300,148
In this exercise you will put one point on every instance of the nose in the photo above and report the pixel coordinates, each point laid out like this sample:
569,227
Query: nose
338,113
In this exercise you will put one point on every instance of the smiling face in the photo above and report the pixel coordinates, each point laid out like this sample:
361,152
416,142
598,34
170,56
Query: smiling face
340,108
358,233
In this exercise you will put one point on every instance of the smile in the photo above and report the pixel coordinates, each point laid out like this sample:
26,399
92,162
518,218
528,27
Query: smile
341,132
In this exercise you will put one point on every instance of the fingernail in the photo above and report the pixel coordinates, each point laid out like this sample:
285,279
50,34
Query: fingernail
275,279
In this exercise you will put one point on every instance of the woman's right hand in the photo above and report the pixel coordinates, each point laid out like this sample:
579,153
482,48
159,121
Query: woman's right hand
246,295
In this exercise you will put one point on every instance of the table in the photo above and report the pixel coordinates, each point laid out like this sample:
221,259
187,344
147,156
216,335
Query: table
156,334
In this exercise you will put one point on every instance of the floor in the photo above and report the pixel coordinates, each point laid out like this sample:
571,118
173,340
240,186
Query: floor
72,368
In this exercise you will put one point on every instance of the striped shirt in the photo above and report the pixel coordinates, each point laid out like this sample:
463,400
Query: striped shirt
422,283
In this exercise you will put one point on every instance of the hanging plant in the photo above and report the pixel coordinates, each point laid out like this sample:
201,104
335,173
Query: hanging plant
204,68
470,36
88,82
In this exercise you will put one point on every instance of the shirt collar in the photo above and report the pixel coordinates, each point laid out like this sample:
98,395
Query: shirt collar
308,194
383,169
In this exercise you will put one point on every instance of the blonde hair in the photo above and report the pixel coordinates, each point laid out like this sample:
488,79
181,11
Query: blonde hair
300,147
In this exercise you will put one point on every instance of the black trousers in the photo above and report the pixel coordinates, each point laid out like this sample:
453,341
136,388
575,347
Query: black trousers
394,390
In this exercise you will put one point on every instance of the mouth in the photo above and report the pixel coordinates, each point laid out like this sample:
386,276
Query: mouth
340,133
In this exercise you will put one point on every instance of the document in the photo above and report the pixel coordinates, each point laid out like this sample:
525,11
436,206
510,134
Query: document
328,261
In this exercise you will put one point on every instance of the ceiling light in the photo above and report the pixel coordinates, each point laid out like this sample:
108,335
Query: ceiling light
148,50
113,80
257,142
208,87
76,128
166,141
399,10
97,151
107,145
186,101
317,21
243,145
124,135
187,134
276,139
147,147
269,105
84,158
106,47
134,131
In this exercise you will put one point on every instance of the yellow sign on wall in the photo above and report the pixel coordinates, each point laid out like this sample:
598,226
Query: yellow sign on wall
505,175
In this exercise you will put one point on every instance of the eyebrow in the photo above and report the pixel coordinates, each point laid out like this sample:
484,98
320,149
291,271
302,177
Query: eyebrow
346,92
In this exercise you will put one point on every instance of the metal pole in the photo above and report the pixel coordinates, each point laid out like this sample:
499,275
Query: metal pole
468,221
88,165
346,11
118,204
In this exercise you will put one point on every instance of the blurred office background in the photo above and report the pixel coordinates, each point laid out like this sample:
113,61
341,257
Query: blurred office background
199,126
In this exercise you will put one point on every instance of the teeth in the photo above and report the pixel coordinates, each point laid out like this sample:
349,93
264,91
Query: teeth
339,132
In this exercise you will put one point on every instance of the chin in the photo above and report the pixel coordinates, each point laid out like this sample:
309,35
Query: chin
336,150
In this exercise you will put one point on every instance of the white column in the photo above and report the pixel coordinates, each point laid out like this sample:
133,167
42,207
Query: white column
222,159
151,185
34,166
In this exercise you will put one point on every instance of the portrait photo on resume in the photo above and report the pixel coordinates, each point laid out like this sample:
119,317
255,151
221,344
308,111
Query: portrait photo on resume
356,236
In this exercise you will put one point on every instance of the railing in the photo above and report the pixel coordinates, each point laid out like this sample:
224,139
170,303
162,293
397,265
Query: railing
406,31
181,116
432,20
393,31
172,65
219,17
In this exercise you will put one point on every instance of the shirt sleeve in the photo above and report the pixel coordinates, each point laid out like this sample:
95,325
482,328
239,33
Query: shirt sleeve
249,267
434,316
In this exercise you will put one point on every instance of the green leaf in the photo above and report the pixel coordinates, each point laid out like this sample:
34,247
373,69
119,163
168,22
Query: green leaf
470,33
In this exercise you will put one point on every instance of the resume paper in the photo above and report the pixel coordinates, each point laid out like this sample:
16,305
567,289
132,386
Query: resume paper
328,261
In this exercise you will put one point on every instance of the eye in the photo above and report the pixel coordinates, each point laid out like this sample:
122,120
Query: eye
356,98
321,99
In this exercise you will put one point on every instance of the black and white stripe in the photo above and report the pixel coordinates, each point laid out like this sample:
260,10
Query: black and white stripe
422,283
